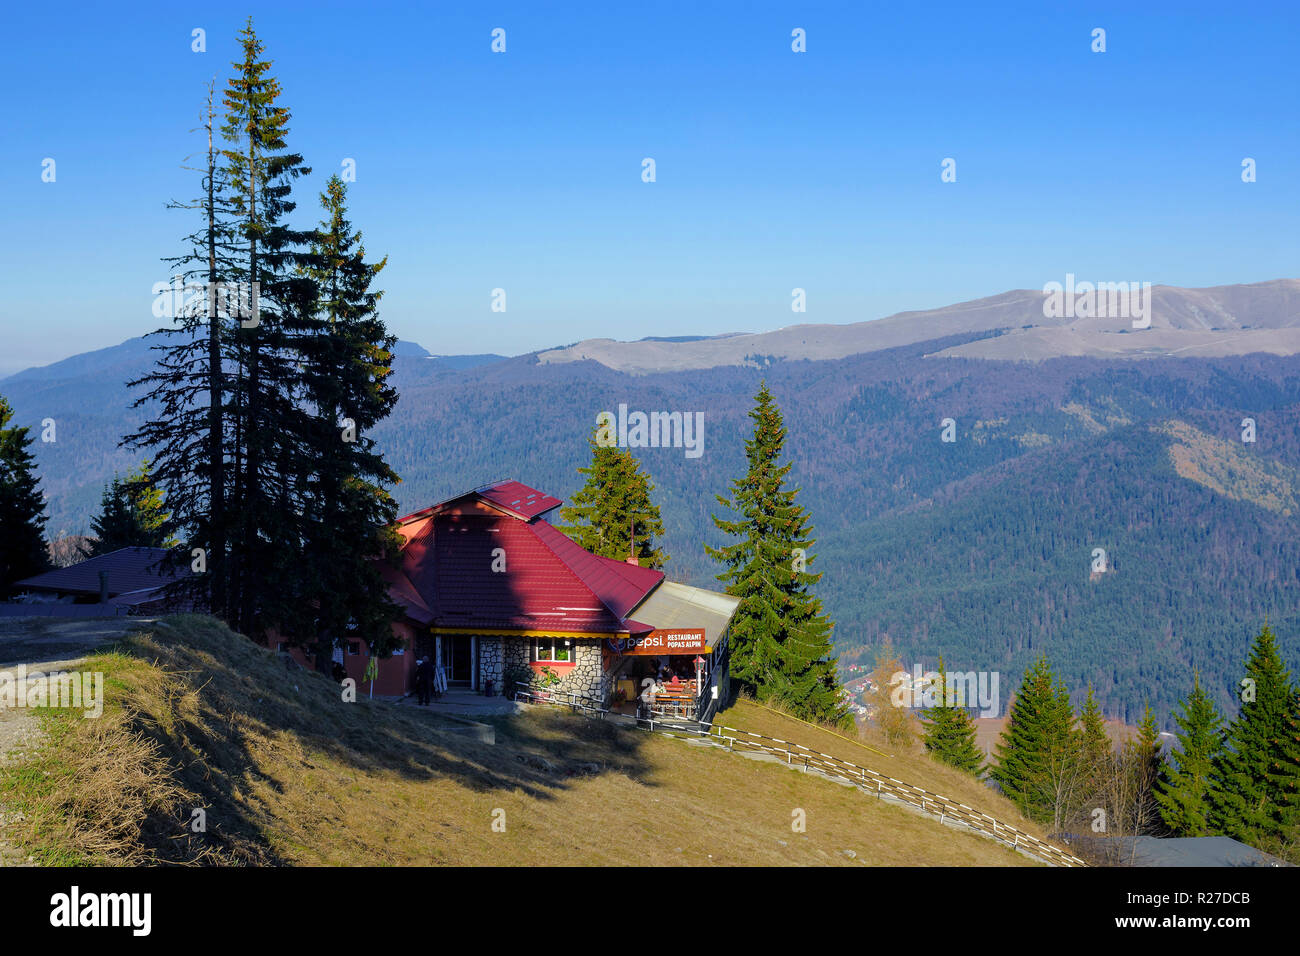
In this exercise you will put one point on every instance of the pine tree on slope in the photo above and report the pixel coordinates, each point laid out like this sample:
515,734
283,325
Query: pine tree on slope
614,508
273,453
1182,792
348,511
1255,797
190,391
1095,749
1038,745
949,731
780,639
131,515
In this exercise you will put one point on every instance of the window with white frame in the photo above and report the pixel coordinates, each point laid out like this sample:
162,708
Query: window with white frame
553,650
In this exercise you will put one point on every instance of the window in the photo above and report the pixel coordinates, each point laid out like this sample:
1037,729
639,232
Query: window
554,650
354,647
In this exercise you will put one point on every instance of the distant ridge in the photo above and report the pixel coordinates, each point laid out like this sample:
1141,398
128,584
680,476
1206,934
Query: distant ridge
1185,323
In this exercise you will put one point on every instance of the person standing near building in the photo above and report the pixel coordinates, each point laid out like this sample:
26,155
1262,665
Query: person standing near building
423,679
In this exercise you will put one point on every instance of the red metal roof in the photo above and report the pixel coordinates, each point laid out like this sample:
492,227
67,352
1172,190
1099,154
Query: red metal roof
620,585
403,592
519,498
129,569
549,583
508,495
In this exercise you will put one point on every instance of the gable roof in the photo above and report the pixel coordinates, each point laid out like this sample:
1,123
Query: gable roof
128,569
543,582
403,593
510,496
487,560
518,498
621,586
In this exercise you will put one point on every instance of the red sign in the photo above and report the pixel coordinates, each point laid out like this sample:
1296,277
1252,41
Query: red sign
679,640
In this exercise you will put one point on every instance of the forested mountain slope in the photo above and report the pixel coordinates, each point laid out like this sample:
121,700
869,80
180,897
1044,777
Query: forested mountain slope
980,548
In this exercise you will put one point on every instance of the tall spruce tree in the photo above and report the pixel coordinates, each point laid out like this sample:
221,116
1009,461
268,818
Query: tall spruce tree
189,390
613,513
1182,792
348,512
1039,746
949,731
272,431
1256,793
780,639
131,515
22,507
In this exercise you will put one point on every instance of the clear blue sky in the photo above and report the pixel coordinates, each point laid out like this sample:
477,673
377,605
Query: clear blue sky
523,170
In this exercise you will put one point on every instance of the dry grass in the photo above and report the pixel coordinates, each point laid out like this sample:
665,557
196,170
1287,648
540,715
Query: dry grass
913,766
199,717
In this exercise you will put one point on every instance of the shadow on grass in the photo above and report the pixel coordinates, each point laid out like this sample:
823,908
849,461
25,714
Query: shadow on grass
226,715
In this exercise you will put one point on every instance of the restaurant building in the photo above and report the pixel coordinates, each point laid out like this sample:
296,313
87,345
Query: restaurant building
498,595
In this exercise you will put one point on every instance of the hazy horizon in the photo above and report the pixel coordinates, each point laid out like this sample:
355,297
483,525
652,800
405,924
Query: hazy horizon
775,169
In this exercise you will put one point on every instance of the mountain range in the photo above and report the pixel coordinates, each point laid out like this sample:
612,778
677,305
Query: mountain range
1174,450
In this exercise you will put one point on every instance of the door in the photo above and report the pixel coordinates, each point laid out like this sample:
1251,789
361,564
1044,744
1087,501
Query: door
458,659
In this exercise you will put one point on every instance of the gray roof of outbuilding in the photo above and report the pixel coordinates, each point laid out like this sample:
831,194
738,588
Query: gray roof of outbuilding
129,569
1200,851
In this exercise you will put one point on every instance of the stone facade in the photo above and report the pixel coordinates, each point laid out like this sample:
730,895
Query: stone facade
585,677
491,663
515,653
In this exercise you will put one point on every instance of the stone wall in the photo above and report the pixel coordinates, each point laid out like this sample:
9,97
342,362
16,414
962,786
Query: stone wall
515,653
585,677
491,663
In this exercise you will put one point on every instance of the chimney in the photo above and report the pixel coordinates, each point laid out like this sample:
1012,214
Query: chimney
103,587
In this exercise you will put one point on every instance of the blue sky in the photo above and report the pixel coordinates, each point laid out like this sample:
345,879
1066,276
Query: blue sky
522,170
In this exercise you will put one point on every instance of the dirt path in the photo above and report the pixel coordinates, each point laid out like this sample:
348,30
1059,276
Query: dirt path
45,645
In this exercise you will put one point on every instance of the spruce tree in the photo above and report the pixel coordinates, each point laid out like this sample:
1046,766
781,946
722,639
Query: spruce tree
1038,750
949,731
1256,793
1094,741
271,435
22,507
780,639
613,509
189,391
1095,750
131,515
1182,792
348,512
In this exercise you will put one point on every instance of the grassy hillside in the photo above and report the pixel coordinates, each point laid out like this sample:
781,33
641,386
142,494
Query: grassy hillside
198,717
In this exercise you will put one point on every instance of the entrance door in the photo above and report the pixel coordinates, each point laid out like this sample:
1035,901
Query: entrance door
458,659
